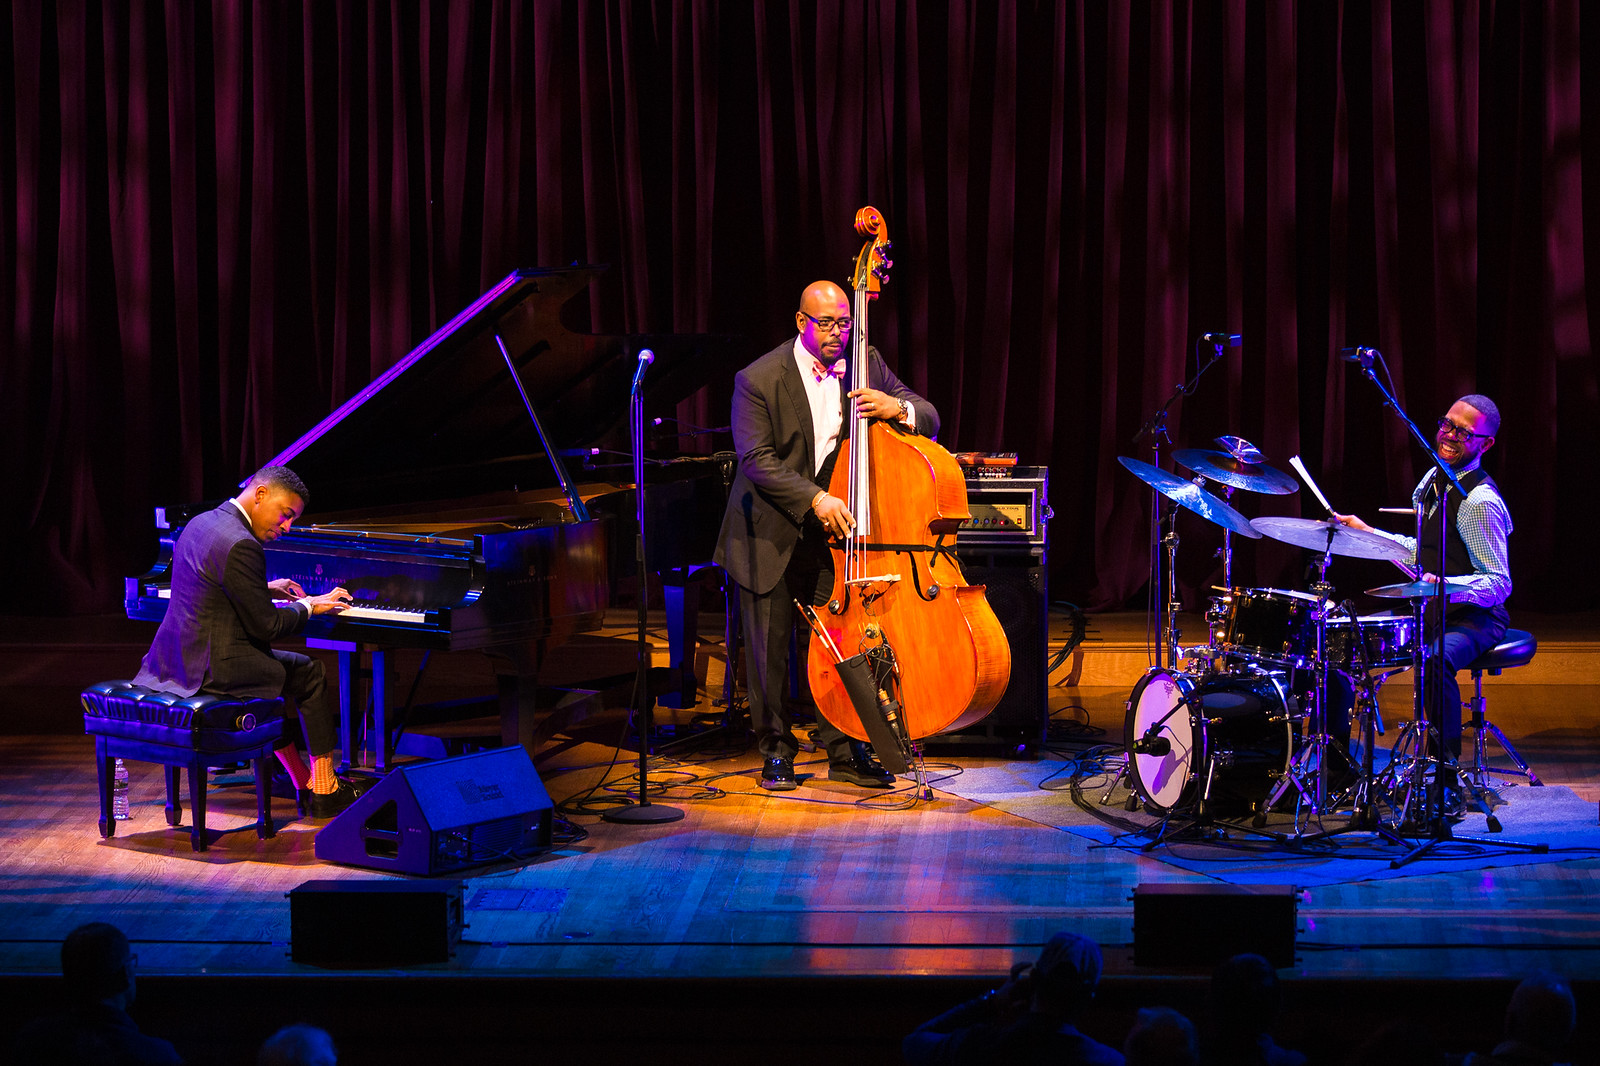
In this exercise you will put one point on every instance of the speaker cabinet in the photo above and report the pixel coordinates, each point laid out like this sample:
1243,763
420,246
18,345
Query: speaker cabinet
1016,587
442,816
1182,924
375,923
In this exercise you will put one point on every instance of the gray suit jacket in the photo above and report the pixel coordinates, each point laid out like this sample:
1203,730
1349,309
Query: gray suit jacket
770,501
220,624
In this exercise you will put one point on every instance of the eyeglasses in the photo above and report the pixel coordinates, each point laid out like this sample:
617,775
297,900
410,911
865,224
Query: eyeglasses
1460,433
828,325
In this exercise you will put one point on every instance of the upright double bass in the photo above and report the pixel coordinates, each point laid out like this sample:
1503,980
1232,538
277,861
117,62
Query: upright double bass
908,648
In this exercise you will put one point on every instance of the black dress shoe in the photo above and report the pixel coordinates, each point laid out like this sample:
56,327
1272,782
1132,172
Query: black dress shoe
327,804
861,768
777,775
283,785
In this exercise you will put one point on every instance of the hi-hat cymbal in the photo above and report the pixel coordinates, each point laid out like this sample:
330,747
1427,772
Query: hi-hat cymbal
1220,466
1327,534
1186,493
1411,590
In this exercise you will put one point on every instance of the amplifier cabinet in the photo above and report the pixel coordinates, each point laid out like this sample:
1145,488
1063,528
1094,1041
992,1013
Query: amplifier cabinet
1017,588
1007,511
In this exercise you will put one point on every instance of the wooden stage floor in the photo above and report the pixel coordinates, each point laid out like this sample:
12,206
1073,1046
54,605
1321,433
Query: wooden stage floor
830,892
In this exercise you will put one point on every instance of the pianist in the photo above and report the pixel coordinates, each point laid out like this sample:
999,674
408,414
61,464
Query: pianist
217,633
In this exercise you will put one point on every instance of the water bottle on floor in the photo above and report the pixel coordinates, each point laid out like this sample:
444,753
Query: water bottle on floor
119,792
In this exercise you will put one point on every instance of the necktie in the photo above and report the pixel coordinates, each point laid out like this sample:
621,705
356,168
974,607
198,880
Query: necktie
820,370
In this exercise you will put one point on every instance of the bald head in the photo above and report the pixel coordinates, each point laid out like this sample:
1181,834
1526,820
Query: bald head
823,298
825,303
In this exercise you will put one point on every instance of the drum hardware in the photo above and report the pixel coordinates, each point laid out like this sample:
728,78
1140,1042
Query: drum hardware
1155,427
1188,495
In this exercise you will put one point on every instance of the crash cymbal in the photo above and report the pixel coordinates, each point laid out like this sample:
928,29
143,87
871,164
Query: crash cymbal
1313,533
1416,589
1223,467
1186,493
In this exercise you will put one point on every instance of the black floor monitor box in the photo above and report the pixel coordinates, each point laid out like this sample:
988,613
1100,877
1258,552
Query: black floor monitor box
1202,925
374,923
445,815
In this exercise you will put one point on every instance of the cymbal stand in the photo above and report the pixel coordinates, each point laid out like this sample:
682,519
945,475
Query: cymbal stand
1155,427
1307,772
1171,635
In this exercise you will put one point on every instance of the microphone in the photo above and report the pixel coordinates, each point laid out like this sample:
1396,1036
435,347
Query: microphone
1229,340
1363,356
1150,744
646,357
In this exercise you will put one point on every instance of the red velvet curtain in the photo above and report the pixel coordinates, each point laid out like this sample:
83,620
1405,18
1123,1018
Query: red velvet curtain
221,219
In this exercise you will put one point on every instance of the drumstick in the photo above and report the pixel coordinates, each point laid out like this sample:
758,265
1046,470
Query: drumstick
1300,468
1305,475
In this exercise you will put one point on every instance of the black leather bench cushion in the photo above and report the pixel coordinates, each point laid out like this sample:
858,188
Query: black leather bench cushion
202,722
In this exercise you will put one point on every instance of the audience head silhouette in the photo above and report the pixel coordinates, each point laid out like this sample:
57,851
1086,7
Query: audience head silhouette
1161,1037
298,1045
97,964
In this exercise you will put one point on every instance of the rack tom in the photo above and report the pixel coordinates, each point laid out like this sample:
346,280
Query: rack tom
1276,626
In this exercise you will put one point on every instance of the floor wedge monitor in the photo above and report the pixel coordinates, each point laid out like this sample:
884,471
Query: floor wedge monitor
444,815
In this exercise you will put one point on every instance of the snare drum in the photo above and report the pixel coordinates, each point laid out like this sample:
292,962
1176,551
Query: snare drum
1244,720
1276,626
1388,640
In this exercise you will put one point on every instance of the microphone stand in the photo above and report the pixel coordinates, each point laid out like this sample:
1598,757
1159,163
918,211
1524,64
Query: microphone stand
642,812
1437,826
1155,427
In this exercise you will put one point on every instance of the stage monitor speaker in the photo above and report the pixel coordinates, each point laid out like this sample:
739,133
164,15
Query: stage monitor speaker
446,815
1182,925
1016,586
375,923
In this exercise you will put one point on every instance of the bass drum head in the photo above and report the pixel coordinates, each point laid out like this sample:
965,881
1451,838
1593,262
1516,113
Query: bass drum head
1162,780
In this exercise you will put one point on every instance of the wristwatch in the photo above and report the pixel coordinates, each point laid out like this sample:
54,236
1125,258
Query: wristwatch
905,412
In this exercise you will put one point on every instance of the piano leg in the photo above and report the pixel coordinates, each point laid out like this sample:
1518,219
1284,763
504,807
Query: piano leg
347,684
681,590
518,699
380,741
364,670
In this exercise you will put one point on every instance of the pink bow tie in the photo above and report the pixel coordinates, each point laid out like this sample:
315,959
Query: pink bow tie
820,370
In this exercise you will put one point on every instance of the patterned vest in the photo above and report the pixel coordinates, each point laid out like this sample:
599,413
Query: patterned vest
1457,561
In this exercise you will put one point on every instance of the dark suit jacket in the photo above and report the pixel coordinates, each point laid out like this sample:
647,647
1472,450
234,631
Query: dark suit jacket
221,622
772,495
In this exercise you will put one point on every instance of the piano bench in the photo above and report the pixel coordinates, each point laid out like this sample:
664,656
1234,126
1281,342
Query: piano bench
196,732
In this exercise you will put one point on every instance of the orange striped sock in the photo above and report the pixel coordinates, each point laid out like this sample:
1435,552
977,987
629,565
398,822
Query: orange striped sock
323,779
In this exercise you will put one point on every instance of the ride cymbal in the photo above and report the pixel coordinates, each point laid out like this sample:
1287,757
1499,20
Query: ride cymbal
1321,535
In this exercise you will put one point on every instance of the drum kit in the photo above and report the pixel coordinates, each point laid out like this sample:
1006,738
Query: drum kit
1256,713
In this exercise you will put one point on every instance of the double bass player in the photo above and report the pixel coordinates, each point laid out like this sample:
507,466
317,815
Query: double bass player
788,423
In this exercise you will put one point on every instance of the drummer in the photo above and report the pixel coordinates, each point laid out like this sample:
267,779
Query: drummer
1474,551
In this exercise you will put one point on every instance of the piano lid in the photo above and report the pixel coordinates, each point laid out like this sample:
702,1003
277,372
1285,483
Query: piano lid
447,422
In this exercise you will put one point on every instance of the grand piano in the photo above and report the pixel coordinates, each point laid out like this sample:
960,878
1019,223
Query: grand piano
441,498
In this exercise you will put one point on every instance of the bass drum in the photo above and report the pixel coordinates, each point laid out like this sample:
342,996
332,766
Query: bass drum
1245,720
